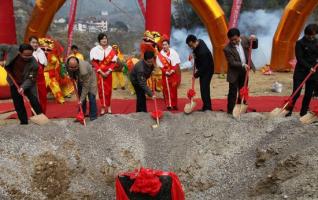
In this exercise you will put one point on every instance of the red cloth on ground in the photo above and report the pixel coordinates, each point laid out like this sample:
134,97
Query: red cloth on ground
126,106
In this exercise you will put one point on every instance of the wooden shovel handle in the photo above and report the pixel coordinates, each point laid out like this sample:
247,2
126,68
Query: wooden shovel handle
17,87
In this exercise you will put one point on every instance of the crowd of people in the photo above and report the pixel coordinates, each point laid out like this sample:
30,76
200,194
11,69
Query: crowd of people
38,67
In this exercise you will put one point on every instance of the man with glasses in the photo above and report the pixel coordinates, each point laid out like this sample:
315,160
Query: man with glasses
85,77
138,77
24,69
307,58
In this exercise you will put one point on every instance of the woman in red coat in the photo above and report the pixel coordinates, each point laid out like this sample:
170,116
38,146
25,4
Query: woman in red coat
103,59
168,60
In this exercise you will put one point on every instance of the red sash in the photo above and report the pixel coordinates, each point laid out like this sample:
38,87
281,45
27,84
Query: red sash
106,62
165,62
108,59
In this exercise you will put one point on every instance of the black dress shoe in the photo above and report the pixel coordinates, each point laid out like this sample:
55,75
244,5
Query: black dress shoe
289,114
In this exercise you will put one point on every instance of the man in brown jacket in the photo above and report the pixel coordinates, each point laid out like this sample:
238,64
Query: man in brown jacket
236,53
82,72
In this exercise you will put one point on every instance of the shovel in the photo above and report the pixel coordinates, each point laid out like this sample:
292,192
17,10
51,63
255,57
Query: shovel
240,108
281,112
310,117
189,107
168,88
39,119
157,114
80,116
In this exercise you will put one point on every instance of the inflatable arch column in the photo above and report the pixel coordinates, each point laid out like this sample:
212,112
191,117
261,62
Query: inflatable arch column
158,16
294,18
41,18
7,36
214,20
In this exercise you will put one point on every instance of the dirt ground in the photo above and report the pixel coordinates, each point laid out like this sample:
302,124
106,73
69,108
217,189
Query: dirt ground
260,85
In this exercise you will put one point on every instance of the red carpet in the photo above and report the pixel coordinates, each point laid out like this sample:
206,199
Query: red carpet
119,106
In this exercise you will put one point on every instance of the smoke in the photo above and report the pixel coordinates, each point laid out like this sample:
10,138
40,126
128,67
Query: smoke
263,24
260,22
178,42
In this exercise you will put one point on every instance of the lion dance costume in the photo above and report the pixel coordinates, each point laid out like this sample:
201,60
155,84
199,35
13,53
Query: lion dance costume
150,43
56,78
118,74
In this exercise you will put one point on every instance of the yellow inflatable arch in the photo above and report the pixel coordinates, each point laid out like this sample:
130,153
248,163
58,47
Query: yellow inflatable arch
294,18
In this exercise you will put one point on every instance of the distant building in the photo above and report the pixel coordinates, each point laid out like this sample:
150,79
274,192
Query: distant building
92,26
104,13
60,21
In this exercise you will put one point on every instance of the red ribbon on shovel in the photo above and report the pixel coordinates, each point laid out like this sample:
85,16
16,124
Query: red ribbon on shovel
80,116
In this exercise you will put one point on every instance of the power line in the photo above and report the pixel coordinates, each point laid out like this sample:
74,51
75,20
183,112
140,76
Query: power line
123,11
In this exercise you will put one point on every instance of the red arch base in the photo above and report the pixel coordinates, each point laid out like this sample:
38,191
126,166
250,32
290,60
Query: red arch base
5,92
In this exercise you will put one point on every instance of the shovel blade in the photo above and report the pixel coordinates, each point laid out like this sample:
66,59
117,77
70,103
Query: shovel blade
309,118
239,109
189,107
155,126
278,112
40,119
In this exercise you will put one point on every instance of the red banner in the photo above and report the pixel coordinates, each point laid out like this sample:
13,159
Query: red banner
71,21
235,13
142,7
7,23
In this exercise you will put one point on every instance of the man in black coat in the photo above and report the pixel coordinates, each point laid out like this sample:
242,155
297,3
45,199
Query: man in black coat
138,77
236,54
307,58
203,62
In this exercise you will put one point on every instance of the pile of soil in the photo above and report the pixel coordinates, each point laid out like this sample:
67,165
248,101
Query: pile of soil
214,155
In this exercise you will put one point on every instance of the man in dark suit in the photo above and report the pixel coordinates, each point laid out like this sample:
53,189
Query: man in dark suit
307,58
203,62
236,54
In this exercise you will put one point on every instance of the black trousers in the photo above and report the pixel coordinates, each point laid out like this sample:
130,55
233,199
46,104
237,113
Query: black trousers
19,103
205,82
141,105
309,92
234,88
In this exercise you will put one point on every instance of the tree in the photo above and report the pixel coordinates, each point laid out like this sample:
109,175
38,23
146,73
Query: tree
121,26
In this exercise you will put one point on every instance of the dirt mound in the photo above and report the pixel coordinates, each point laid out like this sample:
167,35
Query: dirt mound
214,155
51,175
